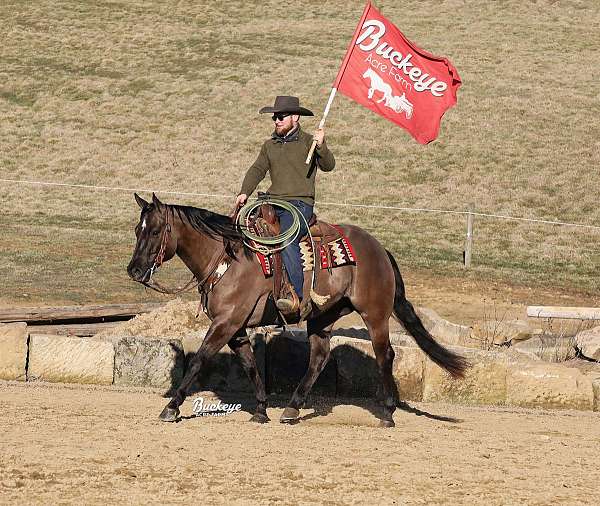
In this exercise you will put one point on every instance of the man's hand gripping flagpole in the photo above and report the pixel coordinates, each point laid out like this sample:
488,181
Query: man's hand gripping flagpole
321,125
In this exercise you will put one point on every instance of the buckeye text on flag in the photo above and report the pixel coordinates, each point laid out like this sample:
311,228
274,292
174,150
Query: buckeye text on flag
387,73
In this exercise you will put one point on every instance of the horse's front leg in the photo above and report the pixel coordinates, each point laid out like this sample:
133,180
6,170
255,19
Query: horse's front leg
219,333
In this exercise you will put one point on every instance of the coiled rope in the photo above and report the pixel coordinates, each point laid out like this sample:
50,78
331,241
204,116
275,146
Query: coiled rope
268,245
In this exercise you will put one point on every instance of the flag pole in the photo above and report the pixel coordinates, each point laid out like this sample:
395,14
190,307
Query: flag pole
321,125
339,76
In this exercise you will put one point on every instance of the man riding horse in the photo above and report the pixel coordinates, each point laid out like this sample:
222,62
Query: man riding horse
208,243
283,157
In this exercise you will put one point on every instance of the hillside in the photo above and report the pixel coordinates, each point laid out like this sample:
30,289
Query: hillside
164,96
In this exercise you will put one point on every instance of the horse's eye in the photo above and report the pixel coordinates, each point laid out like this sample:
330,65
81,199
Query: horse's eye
155,233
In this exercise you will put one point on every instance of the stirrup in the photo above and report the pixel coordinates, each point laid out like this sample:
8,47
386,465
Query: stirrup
286,306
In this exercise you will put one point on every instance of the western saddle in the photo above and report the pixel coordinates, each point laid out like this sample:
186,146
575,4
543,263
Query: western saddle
267,224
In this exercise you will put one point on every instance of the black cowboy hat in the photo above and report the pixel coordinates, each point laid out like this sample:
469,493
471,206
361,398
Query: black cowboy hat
287,104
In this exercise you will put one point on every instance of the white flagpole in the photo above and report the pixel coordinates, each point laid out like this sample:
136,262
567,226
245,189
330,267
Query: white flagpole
321,124
339,76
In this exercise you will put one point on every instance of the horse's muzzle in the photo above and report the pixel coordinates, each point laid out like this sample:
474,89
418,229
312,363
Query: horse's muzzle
137,274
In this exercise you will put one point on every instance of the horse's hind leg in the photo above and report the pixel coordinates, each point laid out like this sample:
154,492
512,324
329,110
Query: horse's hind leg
243,349
384,355
319,355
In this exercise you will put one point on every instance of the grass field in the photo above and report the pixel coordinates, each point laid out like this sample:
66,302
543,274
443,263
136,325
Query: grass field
164,95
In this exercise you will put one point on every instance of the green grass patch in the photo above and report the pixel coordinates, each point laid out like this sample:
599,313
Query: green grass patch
165,97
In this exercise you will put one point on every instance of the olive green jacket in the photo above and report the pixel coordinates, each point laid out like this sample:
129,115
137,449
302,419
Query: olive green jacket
284,159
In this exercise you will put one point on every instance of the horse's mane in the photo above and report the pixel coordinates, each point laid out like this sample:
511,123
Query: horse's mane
214,225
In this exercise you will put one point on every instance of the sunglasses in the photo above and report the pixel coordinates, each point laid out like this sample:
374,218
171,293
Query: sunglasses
279,117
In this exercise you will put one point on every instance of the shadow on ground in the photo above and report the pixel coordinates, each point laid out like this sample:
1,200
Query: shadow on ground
350,377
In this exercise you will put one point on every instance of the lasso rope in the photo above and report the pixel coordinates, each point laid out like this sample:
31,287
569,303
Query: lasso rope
268,245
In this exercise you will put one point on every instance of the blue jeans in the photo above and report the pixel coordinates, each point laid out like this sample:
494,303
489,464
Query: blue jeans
291,253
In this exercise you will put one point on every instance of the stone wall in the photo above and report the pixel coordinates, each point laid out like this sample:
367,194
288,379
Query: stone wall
496,377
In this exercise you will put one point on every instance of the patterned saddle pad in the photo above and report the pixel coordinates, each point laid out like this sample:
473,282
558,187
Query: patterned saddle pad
332,254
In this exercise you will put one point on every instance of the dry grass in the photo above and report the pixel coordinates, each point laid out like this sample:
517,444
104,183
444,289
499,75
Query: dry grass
165,95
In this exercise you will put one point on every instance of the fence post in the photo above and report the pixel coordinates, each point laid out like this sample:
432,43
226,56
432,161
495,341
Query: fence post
469,240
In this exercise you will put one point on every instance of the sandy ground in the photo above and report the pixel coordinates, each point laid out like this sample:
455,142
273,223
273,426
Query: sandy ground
104,445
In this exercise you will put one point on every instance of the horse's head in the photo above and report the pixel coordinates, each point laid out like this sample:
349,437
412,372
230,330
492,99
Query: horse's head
156,242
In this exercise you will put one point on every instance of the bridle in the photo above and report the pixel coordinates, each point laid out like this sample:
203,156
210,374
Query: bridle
210,279
164,240
158,261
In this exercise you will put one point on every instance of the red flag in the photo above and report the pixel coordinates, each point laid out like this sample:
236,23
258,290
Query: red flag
388,74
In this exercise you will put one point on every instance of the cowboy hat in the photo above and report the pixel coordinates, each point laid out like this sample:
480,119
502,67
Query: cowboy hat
287,104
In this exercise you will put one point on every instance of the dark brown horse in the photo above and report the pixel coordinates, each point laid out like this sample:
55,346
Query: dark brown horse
241,299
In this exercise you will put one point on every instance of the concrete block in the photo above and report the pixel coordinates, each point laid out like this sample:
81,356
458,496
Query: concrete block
149,362
68,359
396,338
501,331
443,330
408,370
405,340
357,372
548,348
484,382
596,387
551,386
13,351
588,343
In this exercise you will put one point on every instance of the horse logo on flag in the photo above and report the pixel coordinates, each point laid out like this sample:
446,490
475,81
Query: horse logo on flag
394,102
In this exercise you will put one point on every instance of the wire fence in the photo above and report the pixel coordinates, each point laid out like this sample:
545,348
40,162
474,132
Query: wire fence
332,204
512,247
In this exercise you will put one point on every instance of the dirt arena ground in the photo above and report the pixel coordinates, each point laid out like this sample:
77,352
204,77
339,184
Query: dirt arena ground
66,444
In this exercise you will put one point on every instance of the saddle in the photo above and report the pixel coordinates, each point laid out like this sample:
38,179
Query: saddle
266,224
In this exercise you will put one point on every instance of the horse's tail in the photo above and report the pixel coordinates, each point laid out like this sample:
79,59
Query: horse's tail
404,311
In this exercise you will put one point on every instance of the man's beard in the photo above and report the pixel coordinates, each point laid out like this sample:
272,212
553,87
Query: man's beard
282,131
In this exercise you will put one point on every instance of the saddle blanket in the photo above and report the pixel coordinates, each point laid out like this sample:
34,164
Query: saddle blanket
333,254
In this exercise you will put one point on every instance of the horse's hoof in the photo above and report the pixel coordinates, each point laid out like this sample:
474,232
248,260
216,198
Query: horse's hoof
387,423
260,418
289,415
169,414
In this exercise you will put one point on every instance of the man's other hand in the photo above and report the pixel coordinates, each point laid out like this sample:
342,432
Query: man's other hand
319,136
241,199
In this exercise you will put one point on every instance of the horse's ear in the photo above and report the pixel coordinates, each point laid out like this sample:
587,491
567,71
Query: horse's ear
140,201
156,202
